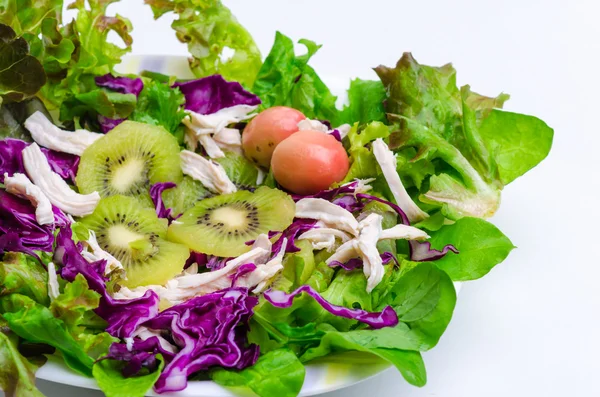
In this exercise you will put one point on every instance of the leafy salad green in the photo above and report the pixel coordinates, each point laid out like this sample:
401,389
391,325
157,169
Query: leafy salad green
145,243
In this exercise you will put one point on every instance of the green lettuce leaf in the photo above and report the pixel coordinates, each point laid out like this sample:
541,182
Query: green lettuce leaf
160,104
286,79
365,102
113,105
35,323
519,142
113,384
391,344
210,30
444,124
482,246
21,74
29,14
17,374
72,54
278,373
22,274
74,306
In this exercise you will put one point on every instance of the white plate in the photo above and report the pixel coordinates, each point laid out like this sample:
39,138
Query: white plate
320,378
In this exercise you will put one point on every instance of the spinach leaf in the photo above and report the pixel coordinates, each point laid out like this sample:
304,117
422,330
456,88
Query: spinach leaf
481,245
113,384
278,373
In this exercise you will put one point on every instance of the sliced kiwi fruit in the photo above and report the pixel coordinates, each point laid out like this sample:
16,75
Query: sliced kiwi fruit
221,225
136,237
241,171
128,160
183,197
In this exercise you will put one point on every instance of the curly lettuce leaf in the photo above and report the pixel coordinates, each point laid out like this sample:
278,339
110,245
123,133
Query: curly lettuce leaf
108,374
365,102
29,14
113,105
160,104
21,74
73,53
286,79
23,274
481,245
35,323
445,125
74,306
278,373
210,30
17,374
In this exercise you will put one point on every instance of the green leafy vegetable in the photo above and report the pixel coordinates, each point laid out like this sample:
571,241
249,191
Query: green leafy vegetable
519,142
277,373
160,104
113,384
29,14
21,75
17,374
210,30
22,274
391,344
75,308
35,323
286,79
365,102
482,246
444,124
109,104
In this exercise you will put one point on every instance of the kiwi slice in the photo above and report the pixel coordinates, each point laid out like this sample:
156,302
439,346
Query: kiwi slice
221,225
136,237
183,197
241,171
128,160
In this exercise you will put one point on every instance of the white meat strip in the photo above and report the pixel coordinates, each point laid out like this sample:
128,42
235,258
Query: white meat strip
97,253
53,287
212,149
21,186
344,129
327,212
387,162
345,252
54,187
46,134
324,238
370,230
315,125
262,276
209,173
403,232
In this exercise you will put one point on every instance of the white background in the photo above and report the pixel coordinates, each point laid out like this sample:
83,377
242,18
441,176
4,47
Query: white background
531,327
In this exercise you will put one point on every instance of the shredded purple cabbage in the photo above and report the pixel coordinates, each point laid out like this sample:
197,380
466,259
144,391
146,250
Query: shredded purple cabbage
241,271
107,124
216,262
356,263
17,218
11,160
330,194
386,318
213,93
393,206
336,134
122,316
422,251
156,191
297,227
122,84
211,330
142,355
198,258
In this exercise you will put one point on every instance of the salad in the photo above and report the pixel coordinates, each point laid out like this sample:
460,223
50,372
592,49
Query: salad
237,226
